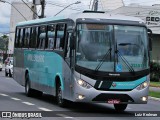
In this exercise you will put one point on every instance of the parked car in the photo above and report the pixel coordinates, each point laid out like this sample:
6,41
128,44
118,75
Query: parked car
0,66
9,68
8,59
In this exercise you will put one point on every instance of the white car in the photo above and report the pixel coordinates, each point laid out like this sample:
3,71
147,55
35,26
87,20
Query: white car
0,67
9,68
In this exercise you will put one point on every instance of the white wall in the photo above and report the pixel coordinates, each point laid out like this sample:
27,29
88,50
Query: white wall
108,5
17,17
143,12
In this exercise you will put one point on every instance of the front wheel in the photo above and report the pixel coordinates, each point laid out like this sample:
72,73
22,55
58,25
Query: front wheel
61,102
120,107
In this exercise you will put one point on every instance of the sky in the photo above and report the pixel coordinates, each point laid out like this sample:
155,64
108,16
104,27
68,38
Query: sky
57,5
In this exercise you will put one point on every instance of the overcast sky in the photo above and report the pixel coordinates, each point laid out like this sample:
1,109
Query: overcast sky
6,8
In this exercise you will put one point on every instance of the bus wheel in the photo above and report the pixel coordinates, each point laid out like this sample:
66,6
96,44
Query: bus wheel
120,107
28,89
60,100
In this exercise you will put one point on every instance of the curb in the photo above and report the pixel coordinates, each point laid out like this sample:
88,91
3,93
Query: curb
154,98
154,86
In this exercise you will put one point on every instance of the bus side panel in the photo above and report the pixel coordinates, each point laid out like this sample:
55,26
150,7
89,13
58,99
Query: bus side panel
68,81
43,67
18,69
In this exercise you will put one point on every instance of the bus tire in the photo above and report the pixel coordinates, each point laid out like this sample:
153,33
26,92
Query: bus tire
61,102
28,90
120,107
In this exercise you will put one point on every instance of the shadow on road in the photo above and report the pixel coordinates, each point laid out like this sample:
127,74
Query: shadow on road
84,109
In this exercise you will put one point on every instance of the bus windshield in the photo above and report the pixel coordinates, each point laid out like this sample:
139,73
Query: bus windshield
115,45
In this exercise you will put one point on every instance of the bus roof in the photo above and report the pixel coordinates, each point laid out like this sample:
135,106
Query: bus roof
49,19
99,15
91,15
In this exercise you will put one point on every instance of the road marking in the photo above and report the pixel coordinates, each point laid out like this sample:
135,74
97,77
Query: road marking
44,109
8,78
65,116
15,99
69,117
154,98
128,108
3,95
28,103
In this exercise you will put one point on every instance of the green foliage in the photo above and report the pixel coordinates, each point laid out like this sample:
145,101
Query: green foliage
4,42
155,71
154,94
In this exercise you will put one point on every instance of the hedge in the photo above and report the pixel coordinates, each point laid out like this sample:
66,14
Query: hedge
155,72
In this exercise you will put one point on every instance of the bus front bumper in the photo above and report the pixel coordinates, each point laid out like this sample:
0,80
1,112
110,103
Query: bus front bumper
120,97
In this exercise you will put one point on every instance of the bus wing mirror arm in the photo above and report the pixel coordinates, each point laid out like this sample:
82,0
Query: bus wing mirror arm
72,42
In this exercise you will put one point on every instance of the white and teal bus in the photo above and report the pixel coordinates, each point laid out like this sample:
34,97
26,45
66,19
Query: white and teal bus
85,57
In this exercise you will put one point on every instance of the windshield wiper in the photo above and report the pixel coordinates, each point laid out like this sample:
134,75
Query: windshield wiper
125,62
101,62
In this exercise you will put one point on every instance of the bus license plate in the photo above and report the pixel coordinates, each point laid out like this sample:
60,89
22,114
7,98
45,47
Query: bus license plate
113,101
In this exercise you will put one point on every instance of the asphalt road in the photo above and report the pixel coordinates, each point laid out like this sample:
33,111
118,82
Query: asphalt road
13,98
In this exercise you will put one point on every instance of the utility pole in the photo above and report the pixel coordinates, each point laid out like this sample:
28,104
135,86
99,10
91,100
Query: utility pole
34,9
43,7
95,5
42,3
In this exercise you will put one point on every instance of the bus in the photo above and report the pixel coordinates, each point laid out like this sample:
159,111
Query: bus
84,57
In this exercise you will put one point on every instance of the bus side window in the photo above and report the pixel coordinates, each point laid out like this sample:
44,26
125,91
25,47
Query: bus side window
68,46
42,37
60,38
37,36
51,36
17,37
33,39
20,42
26,38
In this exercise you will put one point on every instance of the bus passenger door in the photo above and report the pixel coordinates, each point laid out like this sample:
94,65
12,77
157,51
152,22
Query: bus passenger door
68,67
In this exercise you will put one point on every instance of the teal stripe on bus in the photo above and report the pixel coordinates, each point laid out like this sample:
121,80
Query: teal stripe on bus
128,84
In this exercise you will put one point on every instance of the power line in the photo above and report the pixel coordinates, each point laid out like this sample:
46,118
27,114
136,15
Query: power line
30,8
63,6
14,8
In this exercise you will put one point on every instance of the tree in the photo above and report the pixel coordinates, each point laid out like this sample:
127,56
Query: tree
4,45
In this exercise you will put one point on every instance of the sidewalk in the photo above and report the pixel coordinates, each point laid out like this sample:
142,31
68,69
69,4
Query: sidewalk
155,89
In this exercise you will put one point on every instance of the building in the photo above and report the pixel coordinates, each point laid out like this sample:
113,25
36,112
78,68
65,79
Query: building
17,17
107,5
151,15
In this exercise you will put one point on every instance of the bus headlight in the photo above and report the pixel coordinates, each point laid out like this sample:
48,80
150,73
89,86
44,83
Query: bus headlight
143,85
83,84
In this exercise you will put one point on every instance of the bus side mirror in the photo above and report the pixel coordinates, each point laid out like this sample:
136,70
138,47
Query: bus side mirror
72,42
